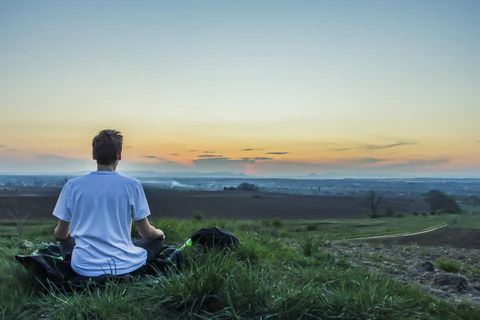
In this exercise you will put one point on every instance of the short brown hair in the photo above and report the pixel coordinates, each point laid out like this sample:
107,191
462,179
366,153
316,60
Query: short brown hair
107,144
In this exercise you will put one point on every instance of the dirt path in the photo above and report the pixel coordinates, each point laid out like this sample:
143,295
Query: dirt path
404,234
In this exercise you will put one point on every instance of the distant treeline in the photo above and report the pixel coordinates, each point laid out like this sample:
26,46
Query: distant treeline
439,200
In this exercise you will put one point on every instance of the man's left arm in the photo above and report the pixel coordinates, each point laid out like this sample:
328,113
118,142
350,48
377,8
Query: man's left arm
62,212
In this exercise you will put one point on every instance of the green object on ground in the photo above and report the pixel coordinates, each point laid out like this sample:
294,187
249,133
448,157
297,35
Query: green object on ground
187,244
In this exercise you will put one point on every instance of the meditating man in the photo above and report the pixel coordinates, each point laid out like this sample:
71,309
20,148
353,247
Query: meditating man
95,215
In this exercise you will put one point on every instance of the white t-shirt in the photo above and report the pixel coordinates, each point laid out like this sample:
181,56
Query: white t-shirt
100,207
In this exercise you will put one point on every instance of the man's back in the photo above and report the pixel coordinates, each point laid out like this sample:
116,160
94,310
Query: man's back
100,207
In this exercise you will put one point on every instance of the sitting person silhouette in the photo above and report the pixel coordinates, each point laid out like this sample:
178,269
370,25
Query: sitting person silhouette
95,215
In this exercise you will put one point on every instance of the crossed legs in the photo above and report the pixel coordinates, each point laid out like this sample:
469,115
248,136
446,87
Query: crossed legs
153,247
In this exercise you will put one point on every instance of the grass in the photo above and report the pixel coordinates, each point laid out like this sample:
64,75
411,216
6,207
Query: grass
472,222
366,227
310,245
268,277
447,265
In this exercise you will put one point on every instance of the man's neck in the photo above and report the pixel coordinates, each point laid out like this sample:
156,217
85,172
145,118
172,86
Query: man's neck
109,167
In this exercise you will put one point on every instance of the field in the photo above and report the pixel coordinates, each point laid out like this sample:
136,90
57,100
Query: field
281,271
231,205
464,234
265,278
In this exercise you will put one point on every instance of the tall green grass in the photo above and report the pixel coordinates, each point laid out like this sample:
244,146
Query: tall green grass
266,278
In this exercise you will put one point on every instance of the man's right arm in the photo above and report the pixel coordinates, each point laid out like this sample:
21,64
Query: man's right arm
147,231
61,231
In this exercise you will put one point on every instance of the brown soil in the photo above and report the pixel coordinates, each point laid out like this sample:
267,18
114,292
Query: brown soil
228,204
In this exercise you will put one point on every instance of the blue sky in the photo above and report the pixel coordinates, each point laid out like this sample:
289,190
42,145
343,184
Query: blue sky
315,82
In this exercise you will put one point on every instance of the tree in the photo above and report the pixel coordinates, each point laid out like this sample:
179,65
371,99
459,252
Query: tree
12,206
389,211
374,200
438,200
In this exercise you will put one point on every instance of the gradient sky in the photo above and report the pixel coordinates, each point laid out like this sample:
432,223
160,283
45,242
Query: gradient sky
257,87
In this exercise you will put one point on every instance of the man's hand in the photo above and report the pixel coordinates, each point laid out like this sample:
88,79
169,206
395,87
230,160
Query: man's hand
147,231
160,234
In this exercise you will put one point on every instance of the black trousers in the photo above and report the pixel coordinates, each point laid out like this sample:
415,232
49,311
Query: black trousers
153,247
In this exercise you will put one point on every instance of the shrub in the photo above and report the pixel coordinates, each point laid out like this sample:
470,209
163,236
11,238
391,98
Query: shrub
432,213
309,245
266,223
197,215
447,265
415,213
277,223
311,227
247,186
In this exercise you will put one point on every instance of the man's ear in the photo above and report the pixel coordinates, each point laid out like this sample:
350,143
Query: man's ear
94,157
119,156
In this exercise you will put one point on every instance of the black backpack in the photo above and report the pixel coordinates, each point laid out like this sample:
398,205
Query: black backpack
215,237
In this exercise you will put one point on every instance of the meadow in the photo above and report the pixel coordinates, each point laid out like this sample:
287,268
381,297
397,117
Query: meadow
281,271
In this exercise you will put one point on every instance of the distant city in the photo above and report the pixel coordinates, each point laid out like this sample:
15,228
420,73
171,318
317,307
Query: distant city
465,187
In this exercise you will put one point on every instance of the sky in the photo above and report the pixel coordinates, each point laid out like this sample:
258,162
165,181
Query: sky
264,88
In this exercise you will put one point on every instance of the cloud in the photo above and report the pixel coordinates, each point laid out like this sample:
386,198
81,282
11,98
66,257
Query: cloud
341,149
222,164
157,158
363,167
326,143
224,161
192,150
14,150
174,154
208,151
359,161
251,149
2,146
212,159
421,162
389,163
278,153
62,161
262,158
51,163
129,147
386,146
210,156
53,157
369,146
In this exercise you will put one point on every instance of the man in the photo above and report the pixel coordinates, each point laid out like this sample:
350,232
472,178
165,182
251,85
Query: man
95,215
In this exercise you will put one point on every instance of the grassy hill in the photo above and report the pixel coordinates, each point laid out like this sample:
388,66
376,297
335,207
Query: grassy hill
281,271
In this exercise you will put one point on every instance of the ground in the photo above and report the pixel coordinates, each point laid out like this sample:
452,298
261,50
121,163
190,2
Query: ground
403,258
452,237
231,205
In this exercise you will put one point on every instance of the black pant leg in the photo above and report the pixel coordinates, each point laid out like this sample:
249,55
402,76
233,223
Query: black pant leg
153,247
